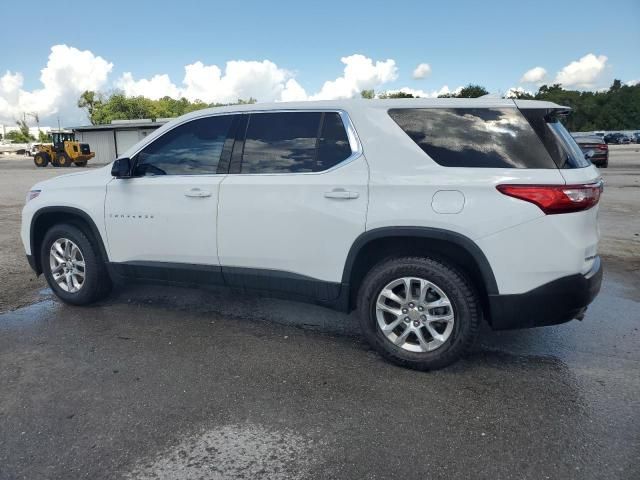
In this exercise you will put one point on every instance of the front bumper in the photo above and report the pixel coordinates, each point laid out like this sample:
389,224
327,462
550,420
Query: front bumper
556,302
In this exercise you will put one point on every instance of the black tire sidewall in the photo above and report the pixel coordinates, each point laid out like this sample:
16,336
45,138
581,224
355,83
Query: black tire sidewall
64,160
44,158
93,264
452,283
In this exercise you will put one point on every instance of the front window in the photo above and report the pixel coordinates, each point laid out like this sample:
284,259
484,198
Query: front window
193,148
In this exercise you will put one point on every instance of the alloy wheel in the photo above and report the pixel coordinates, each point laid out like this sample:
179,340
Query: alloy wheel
67,265
414,314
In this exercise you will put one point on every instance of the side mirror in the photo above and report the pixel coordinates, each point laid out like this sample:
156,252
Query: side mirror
121,168
588,154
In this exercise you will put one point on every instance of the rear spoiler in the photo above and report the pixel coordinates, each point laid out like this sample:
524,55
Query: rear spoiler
551,111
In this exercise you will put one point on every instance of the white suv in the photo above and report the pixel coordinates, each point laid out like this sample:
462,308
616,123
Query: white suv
425,215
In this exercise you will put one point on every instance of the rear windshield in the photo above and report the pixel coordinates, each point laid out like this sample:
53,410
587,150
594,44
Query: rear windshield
474,137
491,137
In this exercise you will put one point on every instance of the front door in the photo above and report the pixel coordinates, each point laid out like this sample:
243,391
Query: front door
167,213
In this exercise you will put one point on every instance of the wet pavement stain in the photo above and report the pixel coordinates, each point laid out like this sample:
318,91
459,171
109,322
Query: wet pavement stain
211,386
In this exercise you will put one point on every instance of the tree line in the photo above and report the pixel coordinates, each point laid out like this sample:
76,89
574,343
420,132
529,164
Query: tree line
102,109
616,108
22,134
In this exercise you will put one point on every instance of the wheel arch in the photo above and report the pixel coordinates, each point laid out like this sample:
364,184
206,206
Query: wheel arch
47,217
374,246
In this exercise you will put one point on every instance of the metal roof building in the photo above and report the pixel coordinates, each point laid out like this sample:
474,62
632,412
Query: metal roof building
111,140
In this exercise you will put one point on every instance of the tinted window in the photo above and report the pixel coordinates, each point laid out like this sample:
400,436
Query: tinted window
190,149
573,156
474,137
333,144
558,142
294,142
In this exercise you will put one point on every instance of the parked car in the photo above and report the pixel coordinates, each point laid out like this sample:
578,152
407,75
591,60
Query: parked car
635,137
595,149
32,149
427,216
618,138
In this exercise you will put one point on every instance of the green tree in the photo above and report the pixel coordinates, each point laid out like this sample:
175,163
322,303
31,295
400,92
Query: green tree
117,106
44,137
90,101
368,94
617,108
21,135
470,91
397,95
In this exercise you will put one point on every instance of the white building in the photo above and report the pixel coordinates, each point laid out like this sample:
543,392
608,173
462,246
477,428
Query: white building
111,140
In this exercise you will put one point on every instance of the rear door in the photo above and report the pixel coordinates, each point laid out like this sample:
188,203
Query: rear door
293,203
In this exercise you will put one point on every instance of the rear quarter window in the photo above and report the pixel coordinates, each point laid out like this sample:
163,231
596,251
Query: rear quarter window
474,137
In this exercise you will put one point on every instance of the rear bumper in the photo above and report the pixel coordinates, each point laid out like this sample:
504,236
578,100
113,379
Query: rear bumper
556,302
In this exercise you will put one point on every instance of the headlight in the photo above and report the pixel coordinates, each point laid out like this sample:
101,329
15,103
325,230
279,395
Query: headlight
32,194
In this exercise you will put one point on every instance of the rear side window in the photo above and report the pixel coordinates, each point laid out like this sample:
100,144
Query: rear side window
294,142
192,148
474,137
558,142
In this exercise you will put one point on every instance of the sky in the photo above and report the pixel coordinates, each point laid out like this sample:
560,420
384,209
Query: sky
284,50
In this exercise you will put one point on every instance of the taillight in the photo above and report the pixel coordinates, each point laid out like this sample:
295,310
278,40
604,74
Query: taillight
552,199
603,146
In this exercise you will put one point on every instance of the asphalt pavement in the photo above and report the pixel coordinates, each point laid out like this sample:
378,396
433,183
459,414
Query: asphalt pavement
175,383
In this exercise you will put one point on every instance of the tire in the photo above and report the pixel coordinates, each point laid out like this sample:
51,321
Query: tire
81,164
95,284
448,285
41,159
63,160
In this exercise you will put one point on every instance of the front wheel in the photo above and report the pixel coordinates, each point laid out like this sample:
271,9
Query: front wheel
41,159
418,312
73,266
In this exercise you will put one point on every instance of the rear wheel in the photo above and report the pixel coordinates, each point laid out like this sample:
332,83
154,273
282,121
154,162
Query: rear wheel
72,265
81,164
63,160
418,312
41,159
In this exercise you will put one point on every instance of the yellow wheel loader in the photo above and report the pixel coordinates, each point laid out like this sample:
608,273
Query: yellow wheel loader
63,151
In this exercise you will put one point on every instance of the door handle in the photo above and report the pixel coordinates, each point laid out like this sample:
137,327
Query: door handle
341,193
197,192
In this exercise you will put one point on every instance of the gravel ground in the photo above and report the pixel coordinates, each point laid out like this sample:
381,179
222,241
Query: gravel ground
172,383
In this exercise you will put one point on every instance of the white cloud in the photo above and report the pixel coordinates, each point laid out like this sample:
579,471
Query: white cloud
424,93
582,73
156,87
68,73
293,92
241,79
423,70
514,91
631,83
360,73
536,75
263,80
